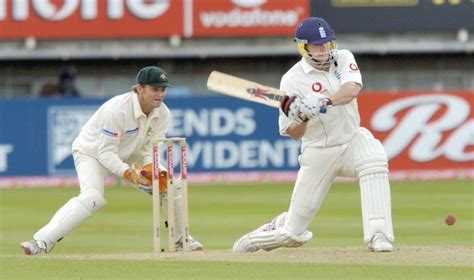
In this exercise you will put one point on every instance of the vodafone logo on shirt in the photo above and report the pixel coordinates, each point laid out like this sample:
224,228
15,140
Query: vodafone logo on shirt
242,17
317,87
354,67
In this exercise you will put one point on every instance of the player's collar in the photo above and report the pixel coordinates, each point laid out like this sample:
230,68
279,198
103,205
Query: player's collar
306,66
137,109
155,113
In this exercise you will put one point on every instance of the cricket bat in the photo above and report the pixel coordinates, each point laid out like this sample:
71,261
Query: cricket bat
244,89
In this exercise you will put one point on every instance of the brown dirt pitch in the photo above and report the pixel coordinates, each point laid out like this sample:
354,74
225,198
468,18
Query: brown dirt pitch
462,256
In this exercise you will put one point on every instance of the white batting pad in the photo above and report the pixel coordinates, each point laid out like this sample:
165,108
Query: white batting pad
376,205
368,161
368,154
73,213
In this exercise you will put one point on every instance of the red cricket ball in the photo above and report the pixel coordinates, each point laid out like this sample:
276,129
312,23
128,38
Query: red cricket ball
450,220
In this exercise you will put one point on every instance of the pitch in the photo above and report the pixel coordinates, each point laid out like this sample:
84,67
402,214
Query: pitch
117,242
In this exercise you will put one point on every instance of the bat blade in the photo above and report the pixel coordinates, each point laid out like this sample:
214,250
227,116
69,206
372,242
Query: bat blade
244,89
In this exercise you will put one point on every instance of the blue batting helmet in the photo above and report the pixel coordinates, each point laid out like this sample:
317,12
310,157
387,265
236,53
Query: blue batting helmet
314,31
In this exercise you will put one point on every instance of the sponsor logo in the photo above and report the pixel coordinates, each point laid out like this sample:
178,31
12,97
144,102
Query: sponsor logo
5,149
251,14
64,124
264,94
88,10
216,122
170,163
184,162
434,125
354,67
156,163
317,87
249,4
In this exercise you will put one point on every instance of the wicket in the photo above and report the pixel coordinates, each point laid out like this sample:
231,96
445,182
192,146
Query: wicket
170,195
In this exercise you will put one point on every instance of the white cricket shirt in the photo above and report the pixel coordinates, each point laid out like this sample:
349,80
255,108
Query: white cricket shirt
340,123
119,133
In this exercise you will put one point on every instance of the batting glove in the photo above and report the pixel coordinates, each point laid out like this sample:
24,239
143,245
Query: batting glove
291,107
313,105
326,103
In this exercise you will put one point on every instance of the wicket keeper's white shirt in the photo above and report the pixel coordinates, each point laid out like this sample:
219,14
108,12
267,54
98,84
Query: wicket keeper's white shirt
119,133
340,123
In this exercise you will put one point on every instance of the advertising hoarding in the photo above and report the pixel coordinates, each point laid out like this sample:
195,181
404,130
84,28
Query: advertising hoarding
427,135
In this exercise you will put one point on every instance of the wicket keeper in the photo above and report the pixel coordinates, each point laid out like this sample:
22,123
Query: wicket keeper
114,140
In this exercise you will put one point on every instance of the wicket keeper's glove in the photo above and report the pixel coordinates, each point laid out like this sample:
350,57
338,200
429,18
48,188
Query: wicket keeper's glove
163,181
147,173
132,174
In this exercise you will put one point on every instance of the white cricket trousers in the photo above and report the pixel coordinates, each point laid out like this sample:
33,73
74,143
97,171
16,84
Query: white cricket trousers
90,173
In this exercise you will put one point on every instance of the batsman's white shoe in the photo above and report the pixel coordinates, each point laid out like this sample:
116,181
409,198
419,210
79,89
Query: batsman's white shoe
33,247
244,245
379,243
194,245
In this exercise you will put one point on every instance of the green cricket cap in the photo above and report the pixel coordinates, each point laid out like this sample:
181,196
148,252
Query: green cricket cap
153,76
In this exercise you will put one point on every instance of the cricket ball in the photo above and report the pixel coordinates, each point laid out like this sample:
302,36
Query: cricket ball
450,220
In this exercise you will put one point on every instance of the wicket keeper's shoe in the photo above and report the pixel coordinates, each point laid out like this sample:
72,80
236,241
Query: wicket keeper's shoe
379,243
194,245
33,247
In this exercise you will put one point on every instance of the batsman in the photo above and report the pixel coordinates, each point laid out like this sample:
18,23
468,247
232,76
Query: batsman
115,140
320,109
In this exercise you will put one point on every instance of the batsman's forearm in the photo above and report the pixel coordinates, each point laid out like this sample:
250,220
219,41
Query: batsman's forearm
297,130
345,94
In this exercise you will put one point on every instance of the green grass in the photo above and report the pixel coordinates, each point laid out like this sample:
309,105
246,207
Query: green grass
219,214
91,269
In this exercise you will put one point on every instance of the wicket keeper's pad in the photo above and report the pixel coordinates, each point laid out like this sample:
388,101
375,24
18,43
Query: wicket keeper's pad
70,215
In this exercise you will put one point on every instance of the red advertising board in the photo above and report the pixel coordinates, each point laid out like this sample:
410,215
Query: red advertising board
78,19
424,132
102,19
243,18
